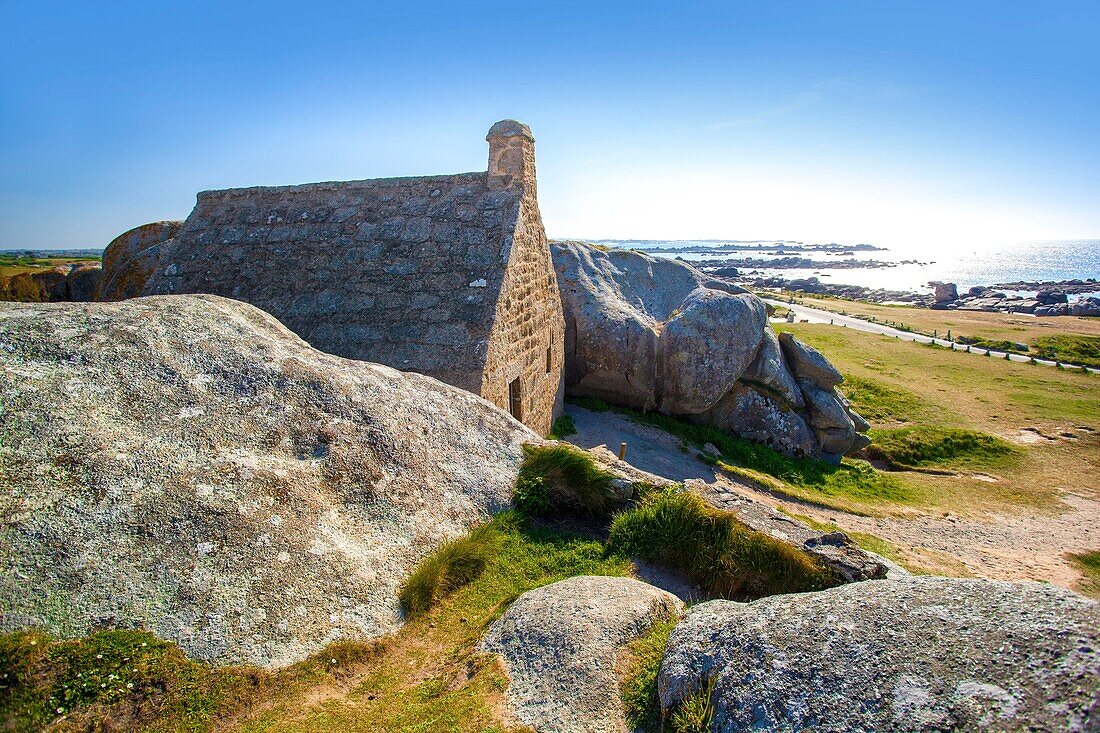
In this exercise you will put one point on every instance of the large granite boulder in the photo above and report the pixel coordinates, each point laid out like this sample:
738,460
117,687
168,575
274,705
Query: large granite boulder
911,654
657,334
132,257
560,644
189,464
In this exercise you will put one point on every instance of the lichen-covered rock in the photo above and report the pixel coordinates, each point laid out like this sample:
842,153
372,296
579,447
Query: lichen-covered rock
809,363
560,643
758,416
131,258
189,464
656,334
911,654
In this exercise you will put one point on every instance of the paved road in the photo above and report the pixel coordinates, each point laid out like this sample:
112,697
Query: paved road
815,315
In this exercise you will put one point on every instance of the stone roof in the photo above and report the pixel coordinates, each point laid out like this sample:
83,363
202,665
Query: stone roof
375,270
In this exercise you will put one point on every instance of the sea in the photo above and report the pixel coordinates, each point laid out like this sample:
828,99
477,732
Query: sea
906,268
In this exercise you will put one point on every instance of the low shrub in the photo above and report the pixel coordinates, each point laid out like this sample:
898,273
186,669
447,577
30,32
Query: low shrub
573,482
531,497
449,567
714,548
938,446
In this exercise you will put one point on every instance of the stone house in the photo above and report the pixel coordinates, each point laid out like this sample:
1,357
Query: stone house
449,276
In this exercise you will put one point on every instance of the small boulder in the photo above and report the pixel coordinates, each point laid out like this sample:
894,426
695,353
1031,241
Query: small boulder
560,644
912,653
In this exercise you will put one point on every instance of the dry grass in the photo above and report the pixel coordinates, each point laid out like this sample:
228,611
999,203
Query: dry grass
976,324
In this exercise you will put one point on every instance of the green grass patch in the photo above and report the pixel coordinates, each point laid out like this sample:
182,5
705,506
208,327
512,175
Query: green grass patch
714,548
570,477
879,402
448,568
815,481
639,686
1089,564
1069,349
127,677
928,445
563,427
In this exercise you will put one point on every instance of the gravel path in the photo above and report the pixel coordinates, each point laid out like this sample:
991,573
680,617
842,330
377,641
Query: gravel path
1021,545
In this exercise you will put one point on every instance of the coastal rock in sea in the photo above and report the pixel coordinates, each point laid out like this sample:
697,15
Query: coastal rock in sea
945,292
1059,309
560,644
1086,307
130,259
913,653
657,334
188,464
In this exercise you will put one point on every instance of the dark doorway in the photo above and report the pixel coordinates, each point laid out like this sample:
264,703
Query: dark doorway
515,399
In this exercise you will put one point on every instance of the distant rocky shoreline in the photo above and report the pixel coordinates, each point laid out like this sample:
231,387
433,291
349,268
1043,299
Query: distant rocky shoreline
1050,299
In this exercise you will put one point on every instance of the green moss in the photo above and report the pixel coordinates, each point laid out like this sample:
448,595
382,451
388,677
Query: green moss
928,445
714,548
574,483
589,403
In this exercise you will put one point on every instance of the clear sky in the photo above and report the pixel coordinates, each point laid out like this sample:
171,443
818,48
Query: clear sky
890,122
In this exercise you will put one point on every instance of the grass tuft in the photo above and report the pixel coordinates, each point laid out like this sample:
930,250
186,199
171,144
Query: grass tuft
448,568
879,402
929,445
695,713
563,427
714,548
573,482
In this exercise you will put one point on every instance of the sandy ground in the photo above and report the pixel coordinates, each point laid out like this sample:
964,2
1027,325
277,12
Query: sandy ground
1021,545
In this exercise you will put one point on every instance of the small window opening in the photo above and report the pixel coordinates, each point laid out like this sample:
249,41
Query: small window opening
515,399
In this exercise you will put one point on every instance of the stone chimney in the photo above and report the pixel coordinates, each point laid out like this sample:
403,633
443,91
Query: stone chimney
511,156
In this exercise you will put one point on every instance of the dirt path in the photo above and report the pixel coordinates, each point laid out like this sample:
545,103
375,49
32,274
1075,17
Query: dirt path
1020,545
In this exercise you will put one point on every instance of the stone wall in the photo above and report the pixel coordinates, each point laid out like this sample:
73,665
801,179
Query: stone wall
449,276
528,330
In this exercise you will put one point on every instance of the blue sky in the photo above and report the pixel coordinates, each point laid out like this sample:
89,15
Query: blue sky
921,123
